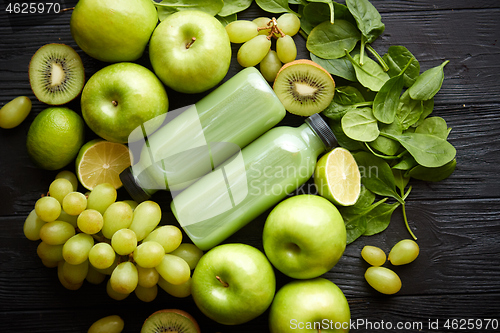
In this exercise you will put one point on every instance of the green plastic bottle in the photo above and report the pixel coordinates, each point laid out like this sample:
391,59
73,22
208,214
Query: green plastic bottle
261,175
198,138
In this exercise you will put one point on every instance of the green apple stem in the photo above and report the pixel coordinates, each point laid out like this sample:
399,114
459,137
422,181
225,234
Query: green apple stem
188,45
115,103
225,284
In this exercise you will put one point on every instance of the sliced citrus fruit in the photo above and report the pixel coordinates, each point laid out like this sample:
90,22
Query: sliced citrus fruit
337,177
101,161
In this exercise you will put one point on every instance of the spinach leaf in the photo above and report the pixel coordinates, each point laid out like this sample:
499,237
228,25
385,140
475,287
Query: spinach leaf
428,150
379,218
168,7
406,163
377,175
433,174
428,84
434,126
396,58
234,6
360,124
385,145
297,2
409,110
315,13
328,41
347,95
225,20
355,219
342,139
330,5
428,107
341,67
386,101
401,179
370,75
274,6
367,18
365,199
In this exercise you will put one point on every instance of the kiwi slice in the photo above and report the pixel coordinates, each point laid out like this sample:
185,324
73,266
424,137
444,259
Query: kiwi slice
170,320
304,87
56,74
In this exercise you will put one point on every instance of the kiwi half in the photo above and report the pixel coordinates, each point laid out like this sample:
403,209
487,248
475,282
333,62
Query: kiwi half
56,74
170,320
304,87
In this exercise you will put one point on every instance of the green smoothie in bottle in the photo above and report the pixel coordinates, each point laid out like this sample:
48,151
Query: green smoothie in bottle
261,175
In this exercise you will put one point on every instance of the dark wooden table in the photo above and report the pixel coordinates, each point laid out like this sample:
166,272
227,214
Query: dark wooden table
457,221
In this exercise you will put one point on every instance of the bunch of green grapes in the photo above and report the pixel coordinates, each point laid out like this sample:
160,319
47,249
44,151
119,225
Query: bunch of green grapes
256,37
92,236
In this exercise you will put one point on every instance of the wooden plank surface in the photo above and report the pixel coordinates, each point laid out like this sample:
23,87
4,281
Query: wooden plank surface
457,221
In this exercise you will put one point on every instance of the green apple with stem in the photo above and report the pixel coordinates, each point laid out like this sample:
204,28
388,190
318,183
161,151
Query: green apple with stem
314,305
304,236
190,51
122,97
113,30
233,283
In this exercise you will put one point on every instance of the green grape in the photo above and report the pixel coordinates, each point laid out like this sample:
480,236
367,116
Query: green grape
240,31
56,232
90,221
177,290
373,255
286,49
75,274
289,23
59,188
110,269
383,280
49,263
32,226
124,278
147,216
49,252
109,324
190,253
76,249
169,236
62,279
262,22
149,254
71,219
148,277
146,294
173,269
404,252
69,176
48,209
124,241
102,256
101,197
94,276
74,203
270,66
14,112
253,51
118,216
114,294
133,204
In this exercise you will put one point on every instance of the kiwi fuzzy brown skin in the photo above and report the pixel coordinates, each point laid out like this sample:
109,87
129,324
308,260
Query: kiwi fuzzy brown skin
298,107
78,82
182,313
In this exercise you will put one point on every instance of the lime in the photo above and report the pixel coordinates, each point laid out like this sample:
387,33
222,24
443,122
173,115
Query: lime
337,177
54,137
101,161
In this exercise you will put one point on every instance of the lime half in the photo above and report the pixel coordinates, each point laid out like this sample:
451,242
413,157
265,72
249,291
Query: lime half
101,161
337,177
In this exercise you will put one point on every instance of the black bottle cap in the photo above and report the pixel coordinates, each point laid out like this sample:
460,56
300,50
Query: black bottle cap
135,191
319,125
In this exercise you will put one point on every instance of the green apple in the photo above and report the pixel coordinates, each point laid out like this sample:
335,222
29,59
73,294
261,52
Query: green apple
233,283
121,97
315,305
113,30
190,51
304,236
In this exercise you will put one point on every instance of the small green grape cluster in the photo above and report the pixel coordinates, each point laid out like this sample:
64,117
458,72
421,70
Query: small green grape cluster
92,236
383,279
256,37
